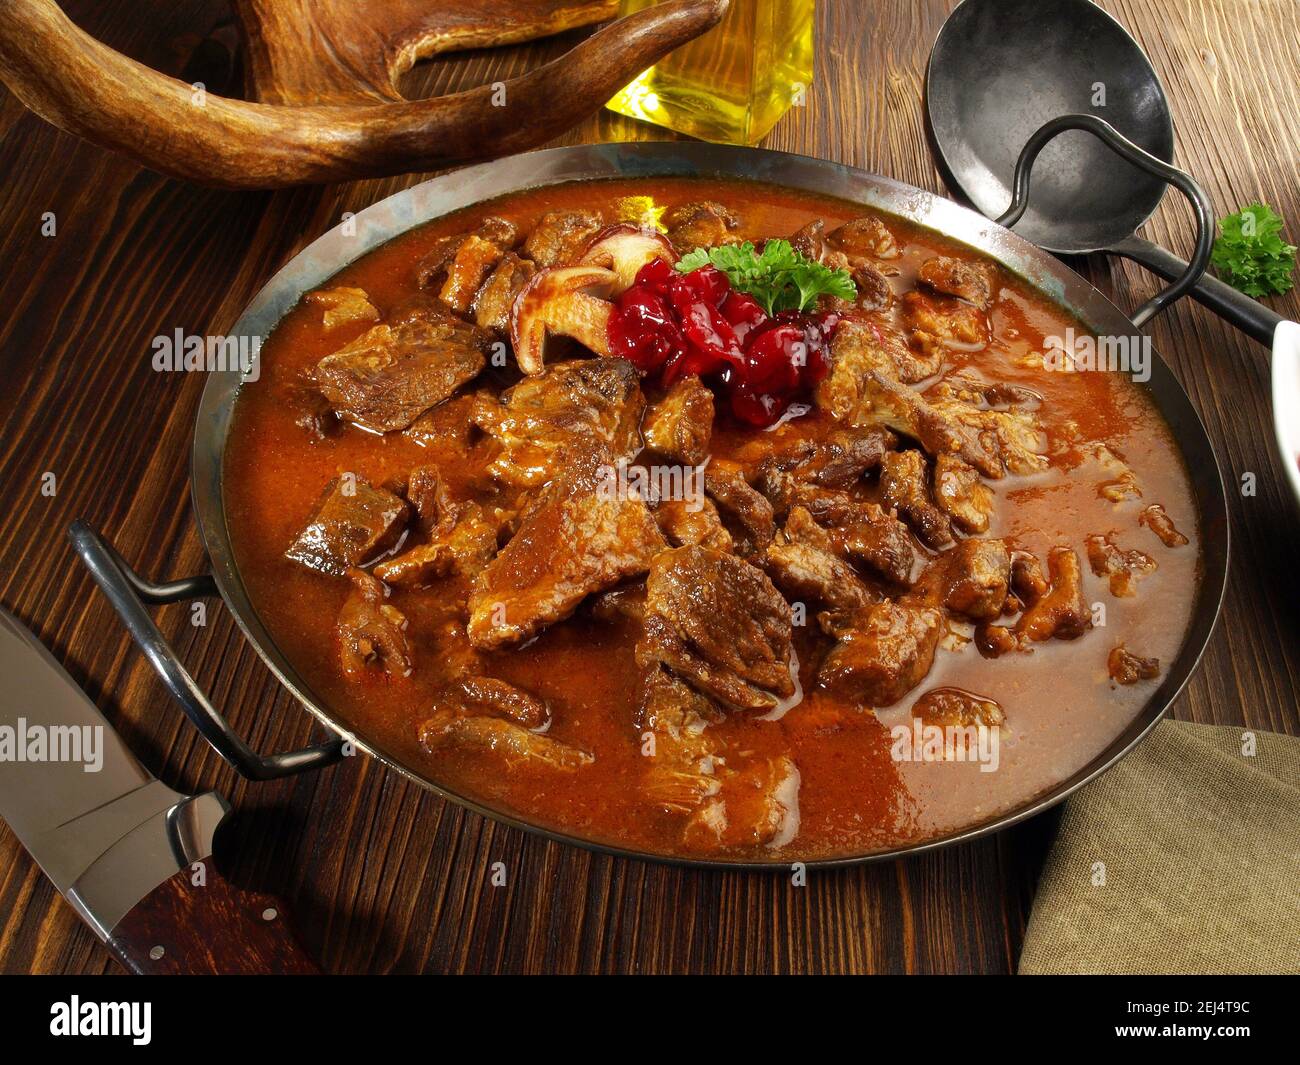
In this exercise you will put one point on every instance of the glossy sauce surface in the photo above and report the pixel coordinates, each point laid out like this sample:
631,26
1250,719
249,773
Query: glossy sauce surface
1061,706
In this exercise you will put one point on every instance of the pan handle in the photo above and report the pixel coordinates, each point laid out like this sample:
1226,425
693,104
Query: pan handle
128,593
1142,159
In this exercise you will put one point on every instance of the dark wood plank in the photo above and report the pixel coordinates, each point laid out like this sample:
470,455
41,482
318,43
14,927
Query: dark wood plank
380,875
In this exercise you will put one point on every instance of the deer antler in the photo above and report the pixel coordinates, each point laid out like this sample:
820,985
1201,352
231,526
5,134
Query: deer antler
335,114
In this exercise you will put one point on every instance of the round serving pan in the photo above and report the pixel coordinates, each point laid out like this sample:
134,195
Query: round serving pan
462,188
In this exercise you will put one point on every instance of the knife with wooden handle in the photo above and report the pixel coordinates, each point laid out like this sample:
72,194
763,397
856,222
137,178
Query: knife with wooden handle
132,856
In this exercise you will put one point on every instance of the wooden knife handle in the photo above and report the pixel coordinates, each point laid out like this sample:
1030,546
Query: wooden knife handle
185,929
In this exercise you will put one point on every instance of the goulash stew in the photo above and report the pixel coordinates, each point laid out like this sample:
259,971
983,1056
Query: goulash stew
709,519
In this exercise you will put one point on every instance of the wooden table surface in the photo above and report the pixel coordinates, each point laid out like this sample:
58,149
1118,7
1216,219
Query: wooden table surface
381,875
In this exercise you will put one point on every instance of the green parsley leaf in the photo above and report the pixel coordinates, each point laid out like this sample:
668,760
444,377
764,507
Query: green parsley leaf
780,278
1250,253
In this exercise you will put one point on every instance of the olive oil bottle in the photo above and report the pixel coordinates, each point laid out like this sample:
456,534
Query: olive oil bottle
733,83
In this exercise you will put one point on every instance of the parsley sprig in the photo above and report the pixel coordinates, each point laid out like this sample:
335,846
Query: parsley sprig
780,278
1250,253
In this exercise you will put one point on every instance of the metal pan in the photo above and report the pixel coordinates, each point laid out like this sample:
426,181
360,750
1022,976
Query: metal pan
129,593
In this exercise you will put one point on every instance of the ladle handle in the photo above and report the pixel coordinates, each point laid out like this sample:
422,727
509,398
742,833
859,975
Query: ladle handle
1141,158
1235,308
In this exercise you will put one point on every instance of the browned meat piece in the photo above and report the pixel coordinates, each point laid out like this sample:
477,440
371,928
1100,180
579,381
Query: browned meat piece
343,305
874,291
804,564
716,621
427,493
864,236
1120,481
497,296
955,706
1160,523
450,423
903,487
489,696
994,641
968,386
314,414
1122,568
1062,612
624,602
463,544
513,744
680,426
576,542
370,631
971,579
559,237
682,524
883,652
1028,581
434,266
959,493
955,277
474,260
699,225
683,771
352,523
837,461
863,389
758,805
944,321
569,407
390,375
752,523
1127,668
869,535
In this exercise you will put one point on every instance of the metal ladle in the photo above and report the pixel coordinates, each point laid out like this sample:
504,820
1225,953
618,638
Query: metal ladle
1002,69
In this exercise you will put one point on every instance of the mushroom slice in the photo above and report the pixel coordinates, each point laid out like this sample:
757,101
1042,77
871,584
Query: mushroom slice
625,248
565,301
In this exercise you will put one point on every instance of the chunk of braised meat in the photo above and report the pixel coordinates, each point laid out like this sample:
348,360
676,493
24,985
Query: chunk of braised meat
1120,481
1159,522
903,487
570,406
479,695
863,389
955,277
626,603
392,374
804,563
718,622
352,523
684,769
970,579
969,386
746,510
577,541
703,224
511,743
874,290
864,236
680,425
1028,581
758,805
1121,568
559,237
312,411
433,267
427,493
371,633
810,240
497,296
958,707
343,305
464,544
837,461
1125,667
473,262
959,493
686,522
1061,613
450,423
943,322
882,652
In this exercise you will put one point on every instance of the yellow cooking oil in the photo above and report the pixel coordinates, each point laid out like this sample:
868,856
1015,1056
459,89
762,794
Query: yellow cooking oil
734,82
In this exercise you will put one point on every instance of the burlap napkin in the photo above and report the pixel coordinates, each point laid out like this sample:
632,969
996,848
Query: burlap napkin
1184,858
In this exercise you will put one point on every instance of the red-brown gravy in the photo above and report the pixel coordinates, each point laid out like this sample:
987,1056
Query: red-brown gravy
1061,706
